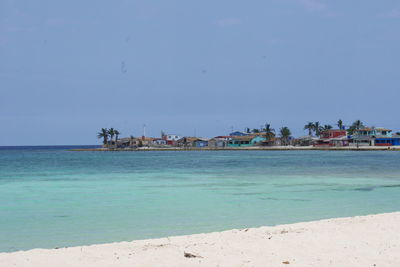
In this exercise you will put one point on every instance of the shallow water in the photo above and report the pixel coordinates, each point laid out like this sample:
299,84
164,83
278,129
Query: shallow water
54,197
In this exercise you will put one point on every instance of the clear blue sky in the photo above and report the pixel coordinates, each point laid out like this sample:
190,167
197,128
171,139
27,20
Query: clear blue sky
69,68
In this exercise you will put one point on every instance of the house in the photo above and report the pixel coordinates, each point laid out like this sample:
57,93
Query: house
333,138
368,135
219,141
133,142
329,134
186,141
146,141
257,140
125,142
159,142
223,137
274,141
388,141
200,142
307,140
238,133
171,139
373,132
240,141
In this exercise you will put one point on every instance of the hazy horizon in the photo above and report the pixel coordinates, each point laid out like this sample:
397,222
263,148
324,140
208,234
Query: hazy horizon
70,68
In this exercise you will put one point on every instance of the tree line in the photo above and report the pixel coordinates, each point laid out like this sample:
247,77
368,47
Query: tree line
269,132
316,128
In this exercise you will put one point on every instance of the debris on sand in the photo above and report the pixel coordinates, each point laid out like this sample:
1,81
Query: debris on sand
191,255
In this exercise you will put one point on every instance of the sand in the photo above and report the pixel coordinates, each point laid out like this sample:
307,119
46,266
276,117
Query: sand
372,240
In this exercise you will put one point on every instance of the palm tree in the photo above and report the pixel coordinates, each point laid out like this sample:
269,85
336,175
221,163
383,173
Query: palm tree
327,127
111,133
103,134
317,128
340,124
285,133
357,125
269,132
310,127
255,131
117,133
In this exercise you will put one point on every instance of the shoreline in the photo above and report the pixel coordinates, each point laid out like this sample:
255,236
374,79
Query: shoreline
275,148
371,240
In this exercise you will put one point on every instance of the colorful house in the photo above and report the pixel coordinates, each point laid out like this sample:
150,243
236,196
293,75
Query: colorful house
171,139
333,138
329,134
373,132
240,141
368,135
388,141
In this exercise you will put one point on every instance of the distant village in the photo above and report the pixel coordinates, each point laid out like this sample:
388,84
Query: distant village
355,135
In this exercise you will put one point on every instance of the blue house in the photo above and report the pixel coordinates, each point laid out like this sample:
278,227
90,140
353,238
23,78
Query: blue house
200,143
388,141
375,136
238,133
240,141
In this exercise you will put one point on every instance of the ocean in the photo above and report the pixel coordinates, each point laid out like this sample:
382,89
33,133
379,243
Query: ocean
52,197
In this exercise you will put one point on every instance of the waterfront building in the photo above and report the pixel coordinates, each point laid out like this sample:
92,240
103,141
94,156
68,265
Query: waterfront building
333,138
368,135
171,139
159,142
388,141
200,142
307,140
186,141
219,141
257,140
240,141
239,133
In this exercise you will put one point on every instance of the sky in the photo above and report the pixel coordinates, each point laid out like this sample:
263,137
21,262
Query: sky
70,68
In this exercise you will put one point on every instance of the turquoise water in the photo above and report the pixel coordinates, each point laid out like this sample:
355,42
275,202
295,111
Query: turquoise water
54,198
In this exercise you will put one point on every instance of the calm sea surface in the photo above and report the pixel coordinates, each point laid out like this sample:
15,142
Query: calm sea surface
52,197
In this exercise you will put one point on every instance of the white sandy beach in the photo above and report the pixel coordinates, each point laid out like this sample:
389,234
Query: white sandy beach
372,240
